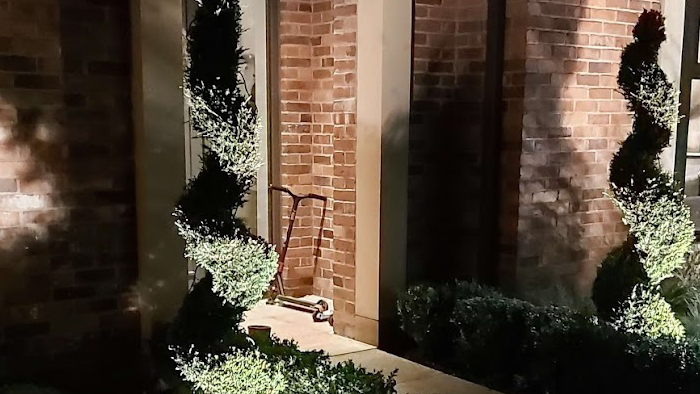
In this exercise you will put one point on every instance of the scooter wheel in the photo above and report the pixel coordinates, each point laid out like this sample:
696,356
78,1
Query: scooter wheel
318,316
323,304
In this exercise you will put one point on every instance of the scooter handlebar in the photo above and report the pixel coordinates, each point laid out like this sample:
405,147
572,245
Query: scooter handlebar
298,196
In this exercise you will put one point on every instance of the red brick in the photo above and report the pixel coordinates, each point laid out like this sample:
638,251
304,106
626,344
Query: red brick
70,146
592,114
325,82
8,185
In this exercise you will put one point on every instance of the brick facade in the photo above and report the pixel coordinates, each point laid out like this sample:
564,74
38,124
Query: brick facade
344,144
563,120
511,150
67,247
573,121
297,94
449,46
318,107
67,250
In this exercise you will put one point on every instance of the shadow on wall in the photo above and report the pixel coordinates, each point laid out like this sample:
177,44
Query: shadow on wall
546,182
444,157
67,242
564,170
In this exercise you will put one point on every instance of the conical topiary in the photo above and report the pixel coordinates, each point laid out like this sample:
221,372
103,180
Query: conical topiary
627,290
212,355
239,266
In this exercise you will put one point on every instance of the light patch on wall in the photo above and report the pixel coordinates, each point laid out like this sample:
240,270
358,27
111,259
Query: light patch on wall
24,202
28,202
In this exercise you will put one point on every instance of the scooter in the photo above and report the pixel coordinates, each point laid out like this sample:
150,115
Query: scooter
320,310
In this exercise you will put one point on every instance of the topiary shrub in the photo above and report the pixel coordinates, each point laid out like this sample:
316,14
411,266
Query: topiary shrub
244,372
620,272
425,314
682,291
206,322
278,367
628,288
314,373
516,347
648,313
240,265
206,345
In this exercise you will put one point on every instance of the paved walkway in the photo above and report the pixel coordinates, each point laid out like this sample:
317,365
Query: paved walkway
412,378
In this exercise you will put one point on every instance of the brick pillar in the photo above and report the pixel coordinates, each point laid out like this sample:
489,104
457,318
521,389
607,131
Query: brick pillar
344,145
323,67
384,33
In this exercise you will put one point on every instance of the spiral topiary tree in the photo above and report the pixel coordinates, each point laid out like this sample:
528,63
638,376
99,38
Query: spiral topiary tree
208,351
238,265
628,288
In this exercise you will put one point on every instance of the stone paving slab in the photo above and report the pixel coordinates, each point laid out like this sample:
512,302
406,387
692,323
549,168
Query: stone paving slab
412,377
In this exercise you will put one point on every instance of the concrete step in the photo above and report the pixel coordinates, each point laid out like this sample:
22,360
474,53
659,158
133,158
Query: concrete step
412,378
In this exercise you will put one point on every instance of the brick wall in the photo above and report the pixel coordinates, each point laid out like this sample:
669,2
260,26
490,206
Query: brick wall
323,64
563,120
317,93
513,110
344,144
67,248
573,121
297,95
445,139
